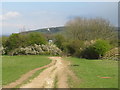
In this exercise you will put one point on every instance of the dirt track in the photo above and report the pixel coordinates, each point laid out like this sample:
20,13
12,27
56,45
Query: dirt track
54,76
26,76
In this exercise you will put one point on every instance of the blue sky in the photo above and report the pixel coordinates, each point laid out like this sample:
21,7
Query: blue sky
34,15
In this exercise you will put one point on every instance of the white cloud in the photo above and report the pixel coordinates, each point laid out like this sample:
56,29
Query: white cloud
9,15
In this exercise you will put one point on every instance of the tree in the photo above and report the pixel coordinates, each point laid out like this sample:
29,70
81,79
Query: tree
3,39
89,29
14,41
19,40
35,38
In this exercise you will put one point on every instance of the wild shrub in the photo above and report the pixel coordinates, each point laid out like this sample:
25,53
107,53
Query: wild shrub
59,41
112,54
48,49
97,50
18,40
35,38
14,41
75,47
2,50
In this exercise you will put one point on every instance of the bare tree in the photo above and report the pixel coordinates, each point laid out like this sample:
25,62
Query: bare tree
89,29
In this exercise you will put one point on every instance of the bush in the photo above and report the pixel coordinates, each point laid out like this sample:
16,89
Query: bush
18,40
3,40
2,50
74,48
35,49
35,38
97,50
112,54
59,41
14,41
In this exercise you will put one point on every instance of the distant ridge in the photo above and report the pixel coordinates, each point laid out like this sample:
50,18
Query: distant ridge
51,30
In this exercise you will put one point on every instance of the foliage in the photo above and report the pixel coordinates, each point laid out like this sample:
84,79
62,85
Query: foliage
77,38
97,50
3,39
48,49
59,41
35,38
89,29
112,54
80,34
2,50
48,36
19,40
68,46
13,42
75,47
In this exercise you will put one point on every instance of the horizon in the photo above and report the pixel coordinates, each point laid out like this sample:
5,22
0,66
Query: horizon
38,15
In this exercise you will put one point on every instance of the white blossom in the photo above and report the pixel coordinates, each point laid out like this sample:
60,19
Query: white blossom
38,50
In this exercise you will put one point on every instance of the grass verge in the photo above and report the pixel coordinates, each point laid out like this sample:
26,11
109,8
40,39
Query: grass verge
15,66
90,73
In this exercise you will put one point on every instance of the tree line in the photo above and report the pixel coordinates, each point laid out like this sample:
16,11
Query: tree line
85,38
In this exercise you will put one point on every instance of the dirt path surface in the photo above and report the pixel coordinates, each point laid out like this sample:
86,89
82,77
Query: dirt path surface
27,75
52,77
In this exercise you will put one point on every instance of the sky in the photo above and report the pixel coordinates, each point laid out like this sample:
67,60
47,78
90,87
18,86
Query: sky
35,15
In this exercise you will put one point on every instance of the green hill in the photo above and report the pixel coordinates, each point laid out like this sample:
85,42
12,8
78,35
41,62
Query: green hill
51,30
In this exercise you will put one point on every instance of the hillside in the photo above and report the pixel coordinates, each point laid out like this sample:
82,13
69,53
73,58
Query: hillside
51,30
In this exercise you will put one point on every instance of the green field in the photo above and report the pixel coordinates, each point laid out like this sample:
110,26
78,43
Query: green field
90,71
15,66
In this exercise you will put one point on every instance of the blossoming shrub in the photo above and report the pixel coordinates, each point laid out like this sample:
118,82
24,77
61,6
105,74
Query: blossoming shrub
48,49
2,50
15,41
112,54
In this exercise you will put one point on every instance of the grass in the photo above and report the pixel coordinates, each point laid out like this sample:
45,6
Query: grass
55,82
15,66
90,71
30,78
